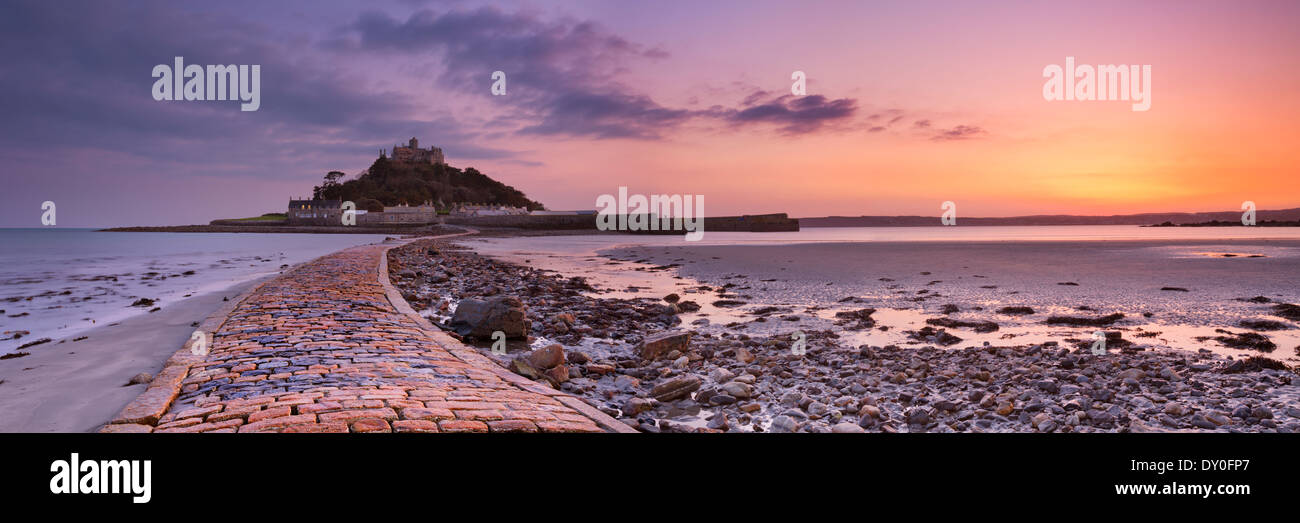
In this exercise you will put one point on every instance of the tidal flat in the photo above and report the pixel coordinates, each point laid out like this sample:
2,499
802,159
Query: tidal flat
973,336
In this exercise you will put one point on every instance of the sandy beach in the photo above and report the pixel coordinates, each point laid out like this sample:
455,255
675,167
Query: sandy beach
76,386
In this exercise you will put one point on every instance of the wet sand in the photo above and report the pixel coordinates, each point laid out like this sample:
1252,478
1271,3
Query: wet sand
1144,280
76,386
907,336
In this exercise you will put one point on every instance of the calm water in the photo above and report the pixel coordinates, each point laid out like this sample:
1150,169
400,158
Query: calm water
909,273
55,283
589,244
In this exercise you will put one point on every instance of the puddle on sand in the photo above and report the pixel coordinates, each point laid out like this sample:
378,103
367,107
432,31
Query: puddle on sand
1227,251
1231,254
1142,334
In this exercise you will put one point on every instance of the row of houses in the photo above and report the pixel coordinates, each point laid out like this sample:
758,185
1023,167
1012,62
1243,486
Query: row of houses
330,212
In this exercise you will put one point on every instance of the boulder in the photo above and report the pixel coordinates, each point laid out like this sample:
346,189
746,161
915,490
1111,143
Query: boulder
659,344
480,318
635,406
676,388
535,364
546,357
557,375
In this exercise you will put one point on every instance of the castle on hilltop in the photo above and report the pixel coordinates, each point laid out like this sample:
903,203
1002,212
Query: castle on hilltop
412,153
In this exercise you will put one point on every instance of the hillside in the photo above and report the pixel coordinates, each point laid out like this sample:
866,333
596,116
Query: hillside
389,182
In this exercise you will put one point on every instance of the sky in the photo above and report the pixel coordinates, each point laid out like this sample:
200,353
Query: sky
907,104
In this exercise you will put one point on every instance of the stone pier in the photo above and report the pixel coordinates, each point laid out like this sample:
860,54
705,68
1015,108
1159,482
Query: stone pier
330,346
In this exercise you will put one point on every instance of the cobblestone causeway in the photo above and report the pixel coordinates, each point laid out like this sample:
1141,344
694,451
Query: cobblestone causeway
322,349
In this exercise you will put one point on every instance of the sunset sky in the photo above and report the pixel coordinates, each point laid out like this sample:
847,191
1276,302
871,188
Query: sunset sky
909,104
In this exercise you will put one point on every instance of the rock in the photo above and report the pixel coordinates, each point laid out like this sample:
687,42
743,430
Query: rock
626,383
737,389
480,318
578,357
869,411
918,416
1175,409
1101,418
635,406
719,422
142,378
946,405
672,298
658,344
1199,421
676,388
784,424
557,375
744,356
535,364
598,368
546,357
1138,427
846,428
721,375
1132,374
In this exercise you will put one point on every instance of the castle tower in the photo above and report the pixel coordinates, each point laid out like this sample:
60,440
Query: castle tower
415,144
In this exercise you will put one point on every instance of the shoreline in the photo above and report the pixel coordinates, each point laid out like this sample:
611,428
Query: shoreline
331,346
742,375
77,386
422,230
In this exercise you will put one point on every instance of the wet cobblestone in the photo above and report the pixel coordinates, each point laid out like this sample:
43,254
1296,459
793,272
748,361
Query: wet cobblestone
321,349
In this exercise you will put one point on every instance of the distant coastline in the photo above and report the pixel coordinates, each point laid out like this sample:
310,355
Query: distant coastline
280,229
1277,218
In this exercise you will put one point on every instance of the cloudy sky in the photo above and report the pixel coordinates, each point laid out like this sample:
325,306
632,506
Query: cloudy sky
908,104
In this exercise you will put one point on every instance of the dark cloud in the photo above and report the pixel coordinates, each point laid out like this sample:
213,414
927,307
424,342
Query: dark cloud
796,114
78,77
566,74
960,132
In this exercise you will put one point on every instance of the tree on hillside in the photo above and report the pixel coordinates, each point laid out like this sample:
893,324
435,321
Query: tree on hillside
327,190
394,183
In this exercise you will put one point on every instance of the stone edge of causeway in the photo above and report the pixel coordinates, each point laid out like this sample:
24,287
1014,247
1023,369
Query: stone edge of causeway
143,412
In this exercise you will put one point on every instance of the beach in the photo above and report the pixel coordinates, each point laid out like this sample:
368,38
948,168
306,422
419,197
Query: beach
942,335
76,386
75,332
827,331
59,283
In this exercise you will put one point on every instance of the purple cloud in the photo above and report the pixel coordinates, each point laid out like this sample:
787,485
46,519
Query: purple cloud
565,74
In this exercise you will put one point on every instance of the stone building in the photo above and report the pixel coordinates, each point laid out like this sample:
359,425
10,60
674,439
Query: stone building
469,209
408,214
412,153
314,212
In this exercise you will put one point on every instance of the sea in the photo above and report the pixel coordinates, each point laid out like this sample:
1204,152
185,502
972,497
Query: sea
1176,287
59,282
